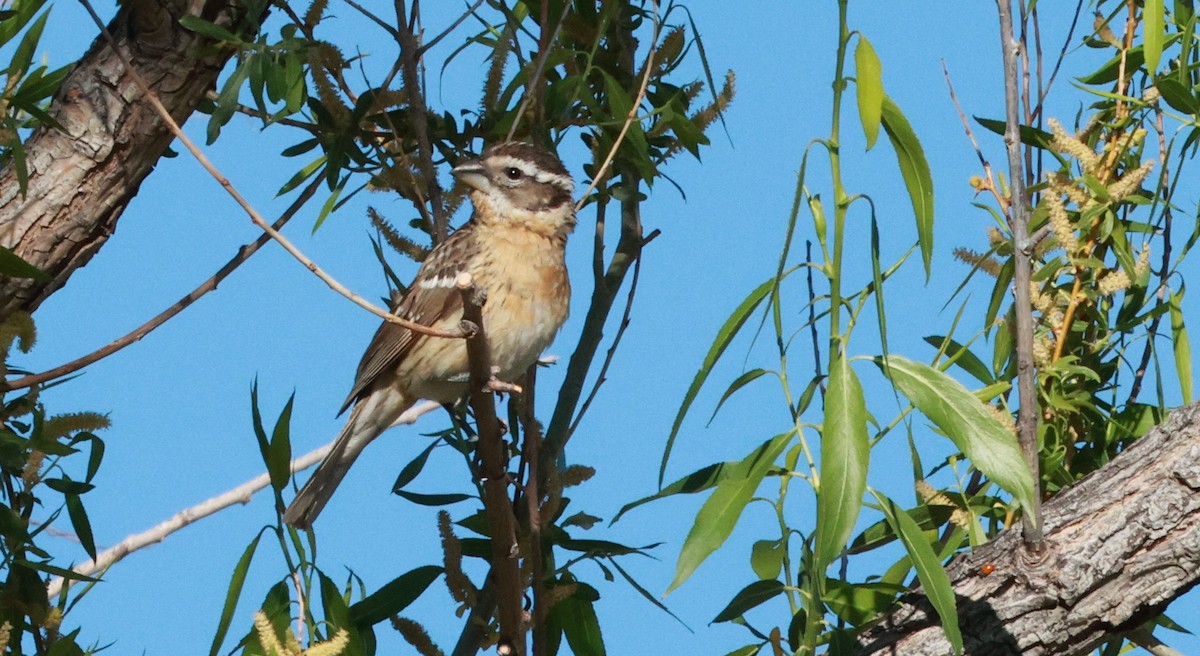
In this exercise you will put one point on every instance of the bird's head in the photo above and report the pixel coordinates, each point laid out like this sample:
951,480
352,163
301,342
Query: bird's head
522,184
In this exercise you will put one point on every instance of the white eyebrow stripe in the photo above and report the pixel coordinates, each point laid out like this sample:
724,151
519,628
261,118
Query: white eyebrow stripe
526,167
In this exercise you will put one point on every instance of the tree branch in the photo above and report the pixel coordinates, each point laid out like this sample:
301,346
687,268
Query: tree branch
492,452
1027,413
173,126
1120,545
244,253
240,494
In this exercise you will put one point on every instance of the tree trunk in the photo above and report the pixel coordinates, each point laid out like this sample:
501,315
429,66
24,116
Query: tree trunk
1121,544
81,179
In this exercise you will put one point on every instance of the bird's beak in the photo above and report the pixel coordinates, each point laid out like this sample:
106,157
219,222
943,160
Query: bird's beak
472,173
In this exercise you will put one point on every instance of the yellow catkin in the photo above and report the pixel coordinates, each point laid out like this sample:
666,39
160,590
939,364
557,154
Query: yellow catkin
416,635
1069,144
981,262
934,497
1113,282
1060,222
1143,262
1130,182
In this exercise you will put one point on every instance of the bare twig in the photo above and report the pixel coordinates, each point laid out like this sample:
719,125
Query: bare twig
444,33
612,349
629,118
205,287
987,166
240,494
494,470
1022,253
257,218
418,119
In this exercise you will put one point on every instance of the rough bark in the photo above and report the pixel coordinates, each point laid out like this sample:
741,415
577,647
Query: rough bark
1121,544
82,178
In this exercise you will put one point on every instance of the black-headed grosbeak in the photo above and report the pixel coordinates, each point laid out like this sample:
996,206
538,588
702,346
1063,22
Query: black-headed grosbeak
514,247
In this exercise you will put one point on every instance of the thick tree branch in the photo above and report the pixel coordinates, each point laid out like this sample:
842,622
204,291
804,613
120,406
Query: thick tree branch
1120,545
141,331
82,178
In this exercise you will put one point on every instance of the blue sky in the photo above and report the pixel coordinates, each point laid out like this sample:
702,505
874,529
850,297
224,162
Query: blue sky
179,400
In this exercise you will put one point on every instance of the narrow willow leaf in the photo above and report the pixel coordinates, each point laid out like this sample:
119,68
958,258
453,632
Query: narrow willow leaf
914,168
932,575
697,481
868,75
13,266
991,447
724,336
394,596
279,454
580,625
721,511
234,593
963,358
1153,33
737,384
750,596
845,451
1183,347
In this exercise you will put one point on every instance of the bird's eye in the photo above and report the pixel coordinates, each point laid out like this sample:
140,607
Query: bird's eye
513,173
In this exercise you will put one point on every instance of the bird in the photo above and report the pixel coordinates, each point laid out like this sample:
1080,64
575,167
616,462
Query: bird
514,247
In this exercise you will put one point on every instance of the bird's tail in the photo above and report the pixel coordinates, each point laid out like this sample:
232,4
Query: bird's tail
368,420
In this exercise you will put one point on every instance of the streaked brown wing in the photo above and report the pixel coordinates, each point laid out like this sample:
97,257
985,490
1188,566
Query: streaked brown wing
432,300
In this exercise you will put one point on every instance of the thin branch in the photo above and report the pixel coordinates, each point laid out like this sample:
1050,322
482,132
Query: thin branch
446,32
257,218
612,349
205,287
238,495
410,57
1031,519
494,471
531,446
629,118
987,166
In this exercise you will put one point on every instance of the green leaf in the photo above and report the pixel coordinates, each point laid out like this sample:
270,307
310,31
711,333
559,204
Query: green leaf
1029,136
1183,347
577,617
697,481
766,558
233,594
862,602
914,168
721,511
991,447
750,596
413,468
211,30
1178,95
868,73
81,525
1152,33
737,384
17,19
845,452
963,358
14,267
395,596
279,454
24,52
932,575
724,336
433,499
748,650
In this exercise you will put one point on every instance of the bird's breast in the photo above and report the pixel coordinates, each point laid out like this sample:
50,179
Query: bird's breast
529,295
